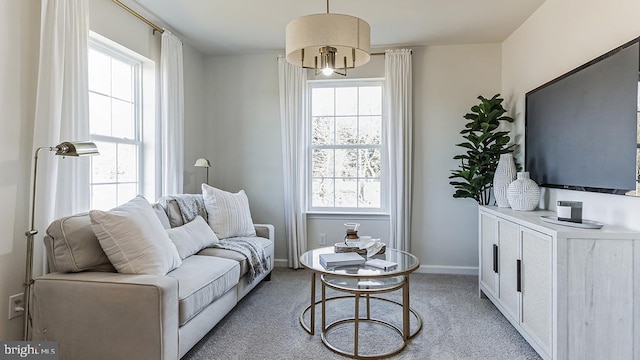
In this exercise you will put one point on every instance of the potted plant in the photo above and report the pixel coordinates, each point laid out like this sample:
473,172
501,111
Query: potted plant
484,145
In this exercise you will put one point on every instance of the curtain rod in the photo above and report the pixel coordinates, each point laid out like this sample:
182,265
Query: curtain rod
382,53
143,19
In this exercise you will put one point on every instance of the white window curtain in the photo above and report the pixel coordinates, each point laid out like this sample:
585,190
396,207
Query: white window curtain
61,112
399,112
293,100
172,113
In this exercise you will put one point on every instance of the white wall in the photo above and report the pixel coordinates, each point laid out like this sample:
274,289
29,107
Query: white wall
560,36
112,22
194,119
20,21
447,82
244,144
243,133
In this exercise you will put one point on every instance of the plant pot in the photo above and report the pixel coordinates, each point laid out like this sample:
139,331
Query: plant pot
505,174
523,193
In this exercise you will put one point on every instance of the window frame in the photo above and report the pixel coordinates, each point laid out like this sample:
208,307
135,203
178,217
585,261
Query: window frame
137,63
382,147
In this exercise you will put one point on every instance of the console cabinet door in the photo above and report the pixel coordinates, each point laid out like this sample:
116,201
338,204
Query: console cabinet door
536,286
509,241
488,248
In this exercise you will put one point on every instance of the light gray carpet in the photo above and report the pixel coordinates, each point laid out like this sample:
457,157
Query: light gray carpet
457,324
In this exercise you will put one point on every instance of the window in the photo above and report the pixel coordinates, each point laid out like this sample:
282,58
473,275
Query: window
346,146
115,124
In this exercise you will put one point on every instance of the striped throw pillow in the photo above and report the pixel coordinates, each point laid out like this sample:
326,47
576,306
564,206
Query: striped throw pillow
228,213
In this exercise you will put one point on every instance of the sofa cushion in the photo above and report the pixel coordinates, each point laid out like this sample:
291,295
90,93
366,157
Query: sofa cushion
134,240
202,280
162,215
72,246
234,255
192,237
229,214
228,254
174,214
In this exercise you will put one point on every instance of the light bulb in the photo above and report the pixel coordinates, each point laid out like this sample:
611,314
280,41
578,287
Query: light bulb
327,71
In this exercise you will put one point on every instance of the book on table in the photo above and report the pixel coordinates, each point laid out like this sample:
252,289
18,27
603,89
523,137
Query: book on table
381,264
341,259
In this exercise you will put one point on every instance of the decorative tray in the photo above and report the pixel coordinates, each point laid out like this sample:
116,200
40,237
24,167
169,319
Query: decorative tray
342,247
585,224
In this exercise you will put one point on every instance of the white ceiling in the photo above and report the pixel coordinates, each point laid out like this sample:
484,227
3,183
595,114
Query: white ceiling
242,26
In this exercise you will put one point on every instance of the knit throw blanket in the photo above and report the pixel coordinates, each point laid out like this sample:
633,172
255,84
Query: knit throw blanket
191,205
251,249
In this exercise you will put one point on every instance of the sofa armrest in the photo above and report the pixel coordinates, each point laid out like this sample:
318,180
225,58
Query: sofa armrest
265,231
98,315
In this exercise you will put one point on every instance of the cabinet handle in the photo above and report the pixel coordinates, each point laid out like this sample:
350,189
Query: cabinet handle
519,275
495,258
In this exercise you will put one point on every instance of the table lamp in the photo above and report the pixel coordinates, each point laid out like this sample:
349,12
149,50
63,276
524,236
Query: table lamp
202,162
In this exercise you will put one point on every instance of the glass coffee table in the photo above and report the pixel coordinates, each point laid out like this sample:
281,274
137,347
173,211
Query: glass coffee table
361,281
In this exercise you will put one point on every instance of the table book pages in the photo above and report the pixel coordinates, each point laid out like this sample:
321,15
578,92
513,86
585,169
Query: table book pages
341,259
381,264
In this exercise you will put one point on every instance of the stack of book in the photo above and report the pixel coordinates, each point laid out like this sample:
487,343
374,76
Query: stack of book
360,248
341,259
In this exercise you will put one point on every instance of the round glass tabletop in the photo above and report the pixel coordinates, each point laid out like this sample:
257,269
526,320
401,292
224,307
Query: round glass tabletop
407,263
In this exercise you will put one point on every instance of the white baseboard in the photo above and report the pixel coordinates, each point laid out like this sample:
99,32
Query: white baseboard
441,269
280,262
423,269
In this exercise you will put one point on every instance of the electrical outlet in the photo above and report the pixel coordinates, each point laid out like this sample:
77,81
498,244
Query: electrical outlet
323,239
16,305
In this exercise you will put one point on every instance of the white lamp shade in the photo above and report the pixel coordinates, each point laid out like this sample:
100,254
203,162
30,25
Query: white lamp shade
202,163
343,32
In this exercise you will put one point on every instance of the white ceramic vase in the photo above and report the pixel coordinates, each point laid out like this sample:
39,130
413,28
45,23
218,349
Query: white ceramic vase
504,175
523,193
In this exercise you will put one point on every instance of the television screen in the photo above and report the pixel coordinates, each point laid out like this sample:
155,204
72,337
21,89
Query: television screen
581,128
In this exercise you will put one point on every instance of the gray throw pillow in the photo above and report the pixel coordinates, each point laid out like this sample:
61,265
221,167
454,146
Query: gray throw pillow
73,247
134,239
228,213
192,237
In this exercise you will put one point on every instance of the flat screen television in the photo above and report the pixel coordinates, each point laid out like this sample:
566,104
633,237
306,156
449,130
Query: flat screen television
581,129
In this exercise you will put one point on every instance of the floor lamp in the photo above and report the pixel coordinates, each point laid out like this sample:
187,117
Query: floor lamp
202,162
64,149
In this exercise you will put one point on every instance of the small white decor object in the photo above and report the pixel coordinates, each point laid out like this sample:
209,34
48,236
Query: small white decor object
505,174
381,264
569,211
372,247
523,193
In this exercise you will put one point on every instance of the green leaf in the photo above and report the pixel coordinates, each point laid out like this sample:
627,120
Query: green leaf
483,146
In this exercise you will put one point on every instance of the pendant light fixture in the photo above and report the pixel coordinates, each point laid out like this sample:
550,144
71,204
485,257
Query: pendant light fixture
328,43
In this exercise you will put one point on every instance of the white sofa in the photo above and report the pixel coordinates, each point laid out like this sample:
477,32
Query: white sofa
97,313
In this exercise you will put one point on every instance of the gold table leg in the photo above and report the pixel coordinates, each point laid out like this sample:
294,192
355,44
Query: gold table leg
313,303
324,303
356,323
311,308
405,309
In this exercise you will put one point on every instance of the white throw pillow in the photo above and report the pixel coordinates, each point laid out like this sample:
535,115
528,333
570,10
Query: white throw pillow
192,237
134,240
229,214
